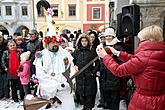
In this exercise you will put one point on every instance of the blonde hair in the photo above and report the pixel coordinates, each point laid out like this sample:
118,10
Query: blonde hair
11,42
151,33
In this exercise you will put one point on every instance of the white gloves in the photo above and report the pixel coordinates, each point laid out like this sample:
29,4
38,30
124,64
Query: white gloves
114,51
101,51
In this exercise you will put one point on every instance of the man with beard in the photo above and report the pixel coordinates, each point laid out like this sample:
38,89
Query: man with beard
50,63
4,90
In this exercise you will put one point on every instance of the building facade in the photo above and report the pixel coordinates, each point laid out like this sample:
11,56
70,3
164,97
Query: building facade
152,12
15,16
73,15
67,15
96,15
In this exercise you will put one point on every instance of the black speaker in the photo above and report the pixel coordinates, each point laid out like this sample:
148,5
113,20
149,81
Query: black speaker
130,23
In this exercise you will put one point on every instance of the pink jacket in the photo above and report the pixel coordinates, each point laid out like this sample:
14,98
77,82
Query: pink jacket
26,73
147,68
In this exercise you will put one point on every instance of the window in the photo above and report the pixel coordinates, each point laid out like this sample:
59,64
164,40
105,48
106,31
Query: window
24,11
41,11
55,10
72,10
0,11
8,10
96,13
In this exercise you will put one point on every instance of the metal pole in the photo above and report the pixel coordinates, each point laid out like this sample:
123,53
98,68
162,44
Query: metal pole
109,14
33,16
164,29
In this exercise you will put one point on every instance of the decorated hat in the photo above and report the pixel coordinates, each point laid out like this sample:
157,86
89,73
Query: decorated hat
51,33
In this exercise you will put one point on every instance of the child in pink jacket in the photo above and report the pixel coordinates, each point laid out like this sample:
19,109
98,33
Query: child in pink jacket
24,71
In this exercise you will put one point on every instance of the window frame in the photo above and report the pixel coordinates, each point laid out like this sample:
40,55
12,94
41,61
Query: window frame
10,11
55,6
26,11
72,13
93,13
0,11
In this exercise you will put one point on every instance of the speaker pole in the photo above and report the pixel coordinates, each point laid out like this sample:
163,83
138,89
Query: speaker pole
164,29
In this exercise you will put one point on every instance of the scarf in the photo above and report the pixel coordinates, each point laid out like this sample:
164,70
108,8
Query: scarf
13,63
113,42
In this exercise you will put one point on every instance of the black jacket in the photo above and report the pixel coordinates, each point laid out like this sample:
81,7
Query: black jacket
86,81
107,80
3,47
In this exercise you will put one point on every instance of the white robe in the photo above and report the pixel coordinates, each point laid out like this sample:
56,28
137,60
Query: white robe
50,86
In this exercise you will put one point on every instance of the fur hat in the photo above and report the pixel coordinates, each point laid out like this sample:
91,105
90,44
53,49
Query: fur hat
25,56
110,31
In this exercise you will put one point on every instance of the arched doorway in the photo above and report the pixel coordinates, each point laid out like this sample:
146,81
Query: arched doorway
4,30
65,31
23,30
41,5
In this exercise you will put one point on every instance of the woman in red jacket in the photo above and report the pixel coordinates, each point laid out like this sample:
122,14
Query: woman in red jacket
146,67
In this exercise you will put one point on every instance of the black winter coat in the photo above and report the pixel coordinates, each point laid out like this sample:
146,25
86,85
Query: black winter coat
107,80
86,81
34,46
3,47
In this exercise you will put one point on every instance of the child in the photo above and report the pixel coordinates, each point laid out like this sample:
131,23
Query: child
86,86
24,71
10,63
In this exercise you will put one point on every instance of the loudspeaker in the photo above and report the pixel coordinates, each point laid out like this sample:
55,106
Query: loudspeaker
130,23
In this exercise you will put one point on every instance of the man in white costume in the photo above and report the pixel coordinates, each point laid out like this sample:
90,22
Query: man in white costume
50,63
49,68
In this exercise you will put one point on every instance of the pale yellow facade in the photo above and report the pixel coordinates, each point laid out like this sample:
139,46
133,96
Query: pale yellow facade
63,20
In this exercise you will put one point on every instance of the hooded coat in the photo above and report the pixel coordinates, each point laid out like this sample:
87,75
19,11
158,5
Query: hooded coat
86,81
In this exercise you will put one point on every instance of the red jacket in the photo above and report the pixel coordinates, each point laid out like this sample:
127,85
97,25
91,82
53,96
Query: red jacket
147,68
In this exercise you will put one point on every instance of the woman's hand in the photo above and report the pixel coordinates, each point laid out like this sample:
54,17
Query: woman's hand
114,51
101,51
76,68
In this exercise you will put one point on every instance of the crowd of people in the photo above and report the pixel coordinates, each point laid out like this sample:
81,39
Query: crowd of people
53,58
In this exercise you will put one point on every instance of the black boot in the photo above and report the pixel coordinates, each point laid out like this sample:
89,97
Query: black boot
100,105
48,106
52,101
86,108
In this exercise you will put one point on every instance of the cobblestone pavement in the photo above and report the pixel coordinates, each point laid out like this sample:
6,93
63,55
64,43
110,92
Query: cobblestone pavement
9,104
